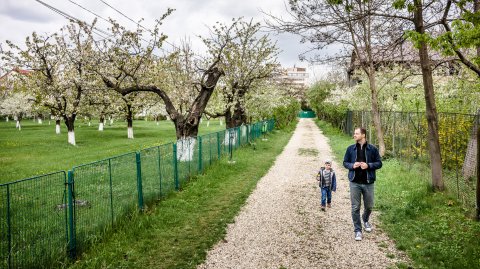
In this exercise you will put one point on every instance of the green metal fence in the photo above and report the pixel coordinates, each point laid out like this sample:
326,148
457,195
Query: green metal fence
406,134
33,221
46,219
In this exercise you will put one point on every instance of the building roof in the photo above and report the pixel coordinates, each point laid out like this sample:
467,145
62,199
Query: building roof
398,53
15,70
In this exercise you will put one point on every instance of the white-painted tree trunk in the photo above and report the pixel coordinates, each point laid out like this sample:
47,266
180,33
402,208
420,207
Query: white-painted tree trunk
230,136
130,132
208,123
57,129
6,119
111,121
221,123
89,124
71,137
40,121
244,130
18,125
185,149
158,123
100,126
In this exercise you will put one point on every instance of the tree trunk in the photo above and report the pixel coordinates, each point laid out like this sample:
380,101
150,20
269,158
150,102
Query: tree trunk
375,111
228,118
101,123
238,117
129,121
6,118
431,110
18,125
70,123
57,126
188,126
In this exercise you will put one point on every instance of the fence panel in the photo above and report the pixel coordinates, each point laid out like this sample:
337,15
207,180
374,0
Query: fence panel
157,172
33,222
208,151
104,191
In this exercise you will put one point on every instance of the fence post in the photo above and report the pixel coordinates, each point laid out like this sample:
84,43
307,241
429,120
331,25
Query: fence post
210,149
159,170
218,145
478,173
9,229
200,154
175,167
139,180
393,135
239,136
72,244
111,189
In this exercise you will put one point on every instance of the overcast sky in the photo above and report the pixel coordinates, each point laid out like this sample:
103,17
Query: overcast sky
19,18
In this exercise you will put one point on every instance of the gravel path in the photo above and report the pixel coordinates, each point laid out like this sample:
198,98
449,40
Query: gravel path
281,225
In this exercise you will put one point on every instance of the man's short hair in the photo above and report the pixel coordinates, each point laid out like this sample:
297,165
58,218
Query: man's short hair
362,130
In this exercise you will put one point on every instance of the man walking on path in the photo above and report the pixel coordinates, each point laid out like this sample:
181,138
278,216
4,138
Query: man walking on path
281,225
361,159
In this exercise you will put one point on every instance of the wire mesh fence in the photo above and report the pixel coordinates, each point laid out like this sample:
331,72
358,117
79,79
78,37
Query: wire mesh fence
48,218
406,137
33,222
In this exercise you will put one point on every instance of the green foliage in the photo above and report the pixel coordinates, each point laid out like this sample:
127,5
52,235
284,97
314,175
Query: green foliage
318,92
333,113
286,116
399,4
317,96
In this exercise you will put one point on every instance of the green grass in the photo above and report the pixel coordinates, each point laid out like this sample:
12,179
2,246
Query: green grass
36,149
432,228
178,231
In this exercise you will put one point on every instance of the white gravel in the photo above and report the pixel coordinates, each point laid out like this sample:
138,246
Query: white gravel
281,225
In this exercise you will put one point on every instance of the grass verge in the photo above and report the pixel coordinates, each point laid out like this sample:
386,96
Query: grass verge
430,227
178,231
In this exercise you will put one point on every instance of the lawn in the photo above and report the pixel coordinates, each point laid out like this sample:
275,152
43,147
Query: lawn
36,149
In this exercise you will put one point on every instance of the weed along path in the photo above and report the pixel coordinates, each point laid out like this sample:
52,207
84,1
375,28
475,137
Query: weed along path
281,224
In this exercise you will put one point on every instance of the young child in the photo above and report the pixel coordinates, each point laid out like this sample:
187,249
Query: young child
327,181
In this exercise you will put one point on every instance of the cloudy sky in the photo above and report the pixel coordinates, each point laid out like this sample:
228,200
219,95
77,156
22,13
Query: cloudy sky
19,18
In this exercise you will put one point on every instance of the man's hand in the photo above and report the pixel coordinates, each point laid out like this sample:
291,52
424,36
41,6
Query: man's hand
363,165
356,165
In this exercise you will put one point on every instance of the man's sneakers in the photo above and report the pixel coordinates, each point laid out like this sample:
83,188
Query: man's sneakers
367,227
323,208
329,205
358,236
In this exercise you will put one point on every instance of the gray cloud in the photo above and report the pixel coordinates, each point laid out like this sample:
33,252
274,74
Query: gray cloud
22,11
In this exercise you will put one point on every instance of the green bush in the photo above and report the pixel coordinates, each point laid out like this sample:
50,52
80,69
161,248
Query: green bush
286,116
